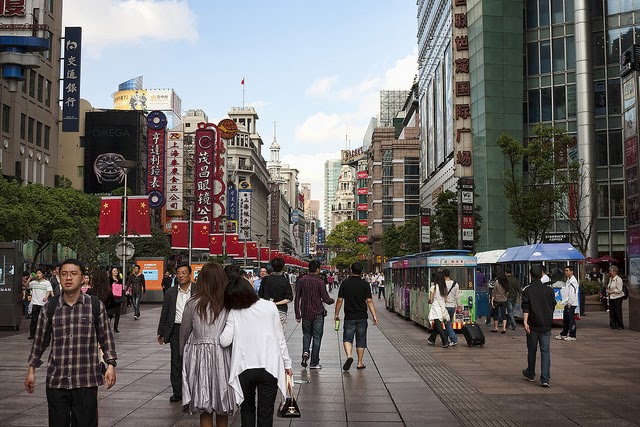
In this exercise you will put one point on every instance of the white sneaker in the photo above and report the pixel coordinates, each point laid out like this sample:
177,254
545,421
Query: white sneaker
569,339
561,337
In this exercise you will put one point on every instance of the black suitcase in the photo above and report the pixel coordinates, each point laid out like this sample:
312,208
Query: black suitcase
473,334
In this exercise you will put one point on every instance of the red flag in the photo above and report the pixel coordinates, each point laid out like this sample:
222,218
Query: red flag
215,244
200,236
110,216
138,222
179,235
264,254
242,82
234,246
252,250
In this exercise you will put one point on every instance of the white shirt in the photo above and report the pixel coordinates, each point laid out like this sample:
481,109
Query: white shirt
545,278
453,298
570,292
39,291
258,342
183,297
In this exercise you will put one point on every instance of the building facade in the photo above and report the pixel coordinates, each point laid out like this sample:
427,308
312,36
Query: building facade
472,72
29,111
331,174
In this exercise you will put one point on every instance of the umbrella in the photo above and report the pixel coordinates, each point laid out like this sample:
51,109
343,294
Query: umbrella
591,260
608,258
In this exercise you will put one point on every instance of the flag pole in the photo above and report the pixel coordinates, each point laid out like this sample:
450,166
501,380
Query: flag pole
242,93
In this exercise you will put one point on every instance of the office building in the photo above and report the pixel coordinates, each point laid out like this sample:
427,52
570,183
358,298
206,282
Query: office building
331,174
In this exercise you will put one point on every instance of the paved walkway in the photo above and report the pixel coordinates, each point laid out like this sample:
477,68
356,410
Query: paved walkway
594,381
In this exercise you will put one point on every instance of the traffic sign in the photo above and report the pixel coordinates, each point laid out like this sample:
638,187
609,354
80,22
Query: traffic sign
125,250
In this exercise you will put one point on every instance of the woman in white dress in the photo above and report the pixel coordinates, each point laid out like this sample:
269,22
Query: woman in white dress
259,356
206,364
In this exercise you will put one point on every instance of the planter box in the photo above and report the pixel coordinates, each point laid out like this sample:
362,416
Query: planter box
592,303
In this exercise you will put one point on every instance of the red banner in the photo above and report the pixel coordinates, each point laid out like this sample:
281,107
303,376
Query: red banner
363,222
200,235
363,239
235,247
203,173
252,250
138,222
363,206
110,216
155,160
362,174
179,235
264,254
362,191
215,244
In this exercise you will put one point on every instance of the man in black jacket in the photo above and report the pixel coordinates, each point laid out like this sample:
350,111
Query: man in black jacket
538,303
276,288
173,305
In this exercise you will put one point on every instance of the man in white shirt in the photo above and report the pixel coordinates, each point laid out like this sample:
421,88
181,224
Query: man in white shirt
569,294
545,278
169,327
41,291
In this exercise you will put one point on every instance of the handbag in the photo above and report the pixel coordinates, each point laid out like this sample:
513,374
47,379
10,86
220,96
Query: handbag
116,290
289,407
445,312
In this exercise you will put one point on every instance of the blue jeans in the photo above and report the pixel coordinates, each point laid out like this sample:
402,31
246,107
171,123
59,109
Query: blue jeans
534,339
449,327
511,320
313,328
500,312
136,304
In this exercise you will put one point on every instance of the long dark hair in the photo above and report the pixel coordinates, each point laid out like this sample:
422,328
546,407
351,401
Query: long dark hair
209,292
239,293
100,284
440,283
502,279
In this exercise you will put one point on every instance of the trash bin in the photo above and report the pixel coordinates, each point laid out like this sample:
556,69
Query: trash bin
582,300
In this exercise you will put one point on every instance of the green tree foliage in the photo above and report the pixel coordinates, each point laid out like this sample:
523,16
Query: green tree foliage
536,180
444,222
402,240
343,242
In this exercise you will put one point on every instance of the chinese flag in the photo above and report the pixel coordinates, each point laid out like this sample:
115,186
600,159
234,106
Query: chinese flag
252,250
264,254
200,236
110,216
234,246
215,244
138,222
242,82
179,235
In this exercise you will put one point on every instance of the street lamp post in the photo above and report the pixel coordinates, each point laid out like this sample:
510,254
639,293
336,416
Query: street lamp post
245,231
190,201
126,166
223,218
258,236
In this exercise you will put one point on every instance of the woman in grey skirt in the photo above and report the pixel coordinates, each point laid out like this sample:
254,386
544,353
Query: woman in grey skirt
205,366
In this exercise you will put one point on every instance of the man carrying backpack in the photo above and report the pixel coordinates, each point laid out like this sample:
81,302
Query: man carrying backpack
74,327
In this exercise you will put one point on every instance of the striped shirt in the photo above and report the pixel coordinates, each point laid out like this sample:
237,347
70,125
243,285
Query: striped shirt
74,359
311,291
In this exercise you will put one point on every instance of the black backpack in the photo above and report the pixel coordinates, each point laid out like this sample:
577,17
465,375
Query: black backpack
51,309
625,289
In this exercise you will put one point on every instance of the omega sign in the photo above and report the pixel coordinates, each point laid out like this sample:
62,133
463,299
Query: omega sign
110,132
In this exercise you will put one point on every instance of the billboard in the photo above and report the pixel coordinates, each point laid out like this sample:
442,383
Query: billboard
111,136
175,169
71,86
147,100
22,18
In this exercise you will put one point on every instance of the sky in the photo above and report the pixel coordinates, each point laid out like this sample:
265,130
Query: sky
315,68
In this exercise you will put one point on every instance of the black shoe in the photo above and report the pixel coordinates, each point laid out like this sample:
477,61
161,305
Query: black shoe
175,398
116,331
30,337
527,377
305,357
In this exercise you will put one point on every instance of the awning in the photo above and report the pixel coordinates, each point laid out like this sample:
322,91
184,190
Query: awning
489,257
542,252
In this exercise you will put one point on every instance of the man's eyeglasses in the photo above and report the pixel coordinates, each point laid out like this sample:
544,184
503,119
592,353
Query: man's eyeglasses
70,273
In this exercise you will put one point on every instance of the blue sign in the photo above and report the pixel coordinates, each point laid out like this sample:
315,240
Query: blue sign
71,87
232,201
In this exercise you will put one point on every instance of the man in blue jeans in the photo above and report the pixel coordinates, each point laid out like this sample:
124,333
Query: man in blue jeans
311,292
538,303
452,301
513,290
355,292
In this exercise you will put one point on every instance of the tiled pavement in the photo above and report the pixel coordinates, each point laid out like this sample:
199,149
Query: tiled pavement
595,380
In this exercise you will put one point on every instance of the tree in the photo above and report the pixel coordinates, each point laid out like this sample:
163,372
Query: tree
402,240
343,241
535,181
444,230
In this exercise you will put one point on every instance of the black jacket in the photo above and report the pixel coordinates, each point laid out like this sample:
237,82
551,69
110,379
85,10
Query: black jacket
539,301
168,314
276,287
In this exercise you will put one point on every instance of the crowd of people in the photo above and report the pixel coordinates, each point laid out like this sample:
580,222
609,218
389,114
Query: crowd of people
226,334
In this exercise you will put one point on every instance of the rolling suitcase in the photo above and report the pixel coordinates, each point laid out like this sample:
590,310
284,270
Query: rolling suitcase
473,334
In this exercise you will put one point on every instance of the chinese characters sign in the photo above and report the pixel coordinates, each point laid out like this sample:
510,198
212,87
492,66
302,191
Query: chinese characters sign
13,7
156,133
175,170
203,173
71,86
463,142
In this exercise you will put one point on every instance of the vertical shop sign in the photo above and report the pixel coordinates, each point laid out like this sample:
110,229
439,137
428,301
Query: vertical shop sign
203,172
175,170
71,81
156,125
462,97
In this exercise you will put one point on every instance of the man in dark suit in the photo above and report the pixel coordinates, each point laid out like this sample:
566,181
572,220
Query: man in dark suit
168,281
175,299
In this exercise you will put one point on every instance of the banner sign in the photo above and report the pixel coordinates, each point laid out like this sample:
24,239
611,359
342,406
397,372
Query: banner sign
232,201
244,203
203,173
362,191
71,86
363,239
362,174
156,125
175,170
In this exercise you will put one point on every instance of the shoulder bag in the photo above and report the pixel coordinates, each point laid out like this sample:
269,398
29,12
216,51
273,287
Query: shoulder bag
289,408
